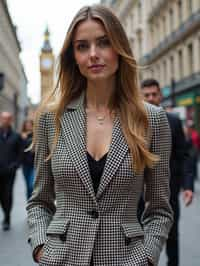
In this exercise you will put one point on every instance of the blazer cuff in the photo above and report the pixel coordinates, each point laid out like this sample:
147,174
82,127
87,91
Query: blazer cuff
36,241
153,248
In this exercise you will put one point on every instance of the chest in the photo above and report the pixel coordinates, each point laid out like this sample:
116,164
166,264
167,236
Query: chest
69,162
98,136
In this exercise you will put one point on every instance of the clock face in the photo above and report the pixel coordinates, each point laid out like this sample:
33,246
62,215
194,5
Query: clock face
46,63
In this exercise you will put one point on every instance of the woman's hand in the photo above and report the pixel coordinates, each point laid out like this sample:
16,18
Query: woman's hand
38,253
187,197
149,263
24,135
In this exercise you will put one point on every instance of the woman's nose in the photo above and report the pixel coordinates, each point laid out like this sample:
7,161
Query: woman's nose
93,51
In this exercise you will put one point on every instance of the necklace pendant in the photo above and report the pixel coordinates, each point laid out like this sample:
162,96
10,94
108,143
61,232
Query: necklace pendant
101,120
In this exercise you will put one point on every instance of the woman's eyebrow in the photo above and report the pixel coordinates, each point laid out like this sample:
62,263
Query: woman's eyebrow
75,41
97,39
101,37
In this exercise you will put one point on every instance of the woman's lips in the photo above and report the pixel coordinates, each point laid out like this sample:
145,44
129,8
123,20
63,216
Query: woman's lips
96,67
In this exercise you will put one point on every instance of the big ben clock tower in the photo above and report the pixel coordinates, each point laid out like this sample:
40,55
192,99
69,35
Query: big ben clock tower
46,66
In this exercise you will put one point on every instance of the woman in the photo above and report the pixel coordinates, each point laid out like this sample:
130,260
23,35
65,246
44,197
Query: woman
93,141
28,156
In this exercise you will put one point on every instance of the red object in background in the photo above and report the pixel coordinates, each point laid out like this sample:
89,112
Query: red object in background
195,138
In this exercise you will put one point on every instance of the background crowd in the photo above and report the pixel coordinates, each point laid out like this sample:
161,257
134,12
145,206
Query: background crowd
13,154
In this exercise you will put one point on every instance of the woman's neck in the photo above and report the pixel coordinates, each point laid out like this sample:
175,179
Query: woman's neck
100,96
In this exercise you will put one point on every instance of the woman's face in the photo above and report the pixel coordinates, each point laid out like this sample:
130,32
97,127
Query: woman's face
29,126
93,52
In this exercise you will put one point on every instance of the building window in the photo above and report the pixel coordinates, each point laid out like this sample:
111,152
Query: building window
152,73
132,20
190,7
180,11
190,58
158,73
158,35
152,36
164,72
171,19
171,67
164,26
140,45
139,12
180,63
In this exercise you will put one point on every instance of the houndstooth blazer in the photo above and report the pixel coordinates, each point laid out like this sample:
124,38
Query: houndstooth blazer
73,223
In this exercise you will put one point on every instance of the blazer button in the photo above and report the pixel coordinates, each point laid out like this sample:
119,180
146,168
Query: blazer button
127,241
94,214
63,237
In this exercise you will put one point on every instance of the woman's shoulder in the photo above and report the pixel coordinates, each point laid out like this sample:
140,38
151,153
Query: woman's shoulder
155,113
153,109
46,115
45,119
46,111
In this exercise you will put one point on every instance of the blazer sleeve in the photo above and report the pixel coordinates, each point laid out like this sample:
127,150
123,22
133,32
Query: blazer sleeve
41,206
158,216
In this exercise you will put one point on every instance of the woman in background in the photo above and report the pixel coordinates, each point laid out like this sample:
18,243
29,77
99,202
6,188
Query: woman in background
28,156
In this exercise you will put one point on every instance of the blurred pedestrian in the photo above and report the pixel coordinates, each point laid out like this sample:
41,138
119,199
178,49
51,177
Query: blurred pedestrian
193,145
179,168
28,156
194,135
10,155
92,142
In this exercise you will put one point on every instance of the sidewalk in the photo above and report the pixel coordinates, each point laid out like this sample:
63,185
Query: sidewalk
14,249
189,230
197,186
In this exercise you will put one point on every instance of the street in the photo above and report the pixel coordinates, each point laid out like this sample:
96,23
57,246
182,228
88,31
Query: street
14,250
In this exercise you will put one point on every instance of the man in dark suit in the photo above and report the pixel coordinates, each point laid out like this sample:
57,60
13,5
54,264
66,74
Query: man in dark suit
10,154
181,175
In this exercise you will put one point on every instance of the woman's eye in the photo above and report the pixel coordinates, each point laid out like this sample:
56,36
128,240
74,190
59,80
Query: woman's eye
81,46
104,43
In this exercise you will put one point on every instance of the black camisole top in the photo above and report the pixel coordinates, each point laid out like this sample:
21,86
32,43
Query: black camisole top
96,169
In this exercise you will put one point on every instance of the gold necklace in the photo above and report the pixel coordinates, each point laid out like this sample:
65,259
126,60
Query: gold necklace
101,119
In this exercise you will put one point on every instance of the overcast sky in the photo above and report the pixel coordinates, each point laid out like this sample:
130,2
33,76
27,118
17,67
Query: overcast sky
31,18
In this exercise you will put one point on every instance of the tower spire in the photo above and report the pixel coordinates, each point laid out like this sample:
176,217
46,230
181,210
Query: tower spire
46,48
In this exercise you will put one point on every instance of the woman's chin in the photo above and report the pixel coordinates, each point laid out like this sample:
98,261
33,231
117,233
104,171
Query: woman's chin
98,78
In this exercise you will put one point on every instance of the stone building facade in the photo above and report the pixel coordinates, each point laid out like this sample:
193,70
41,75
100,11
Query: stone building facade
165,37
13,95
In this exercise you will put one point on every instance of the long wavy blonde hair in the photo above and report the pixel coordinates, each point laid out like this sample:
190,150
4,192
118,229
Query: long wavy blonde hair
129,103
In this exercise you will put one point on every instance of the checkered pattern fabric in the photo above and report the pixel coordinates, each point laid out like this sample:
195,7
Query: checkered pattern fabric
72,222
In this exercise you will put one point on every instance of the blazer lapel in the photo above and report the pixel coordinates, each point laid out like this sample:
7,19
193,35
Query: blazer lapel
117,151
73,128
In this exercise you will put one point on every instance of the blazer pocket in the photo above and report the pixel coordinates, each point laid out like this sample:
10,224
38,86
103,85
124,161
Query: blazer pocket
134,236
59,228
132,231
